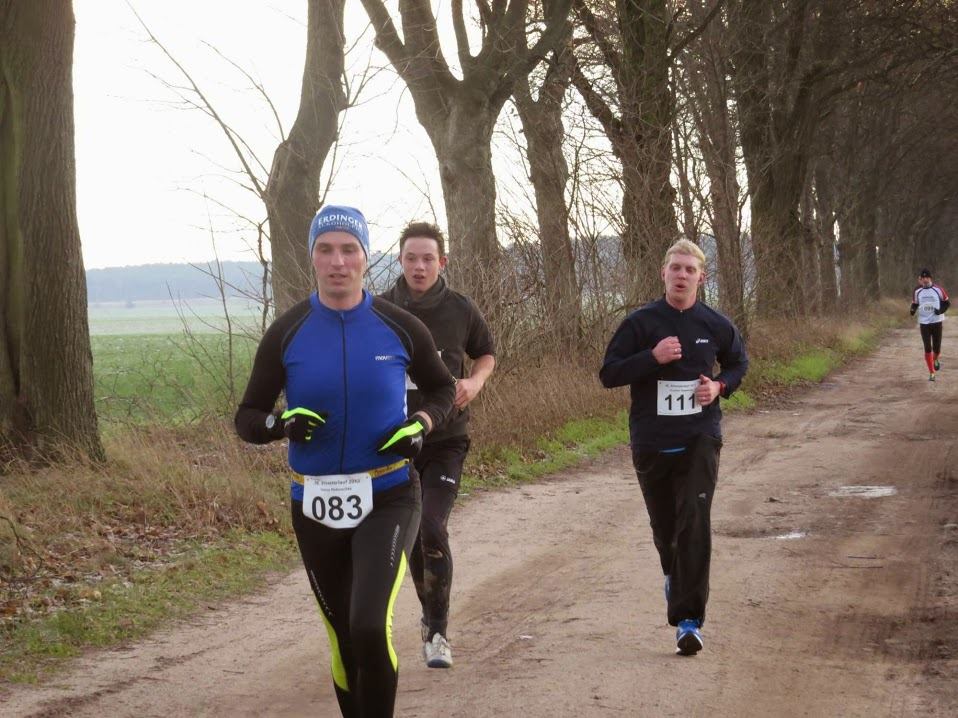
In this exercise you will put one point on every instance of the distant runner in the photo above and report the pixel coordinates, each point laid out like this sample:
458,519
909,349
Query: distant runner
666,352
930,301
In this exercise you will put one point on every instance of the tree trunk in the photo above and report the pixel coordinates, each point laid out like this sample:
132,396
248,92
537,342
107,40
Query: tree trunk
825,231
777,242
776,78
463,146
826,268
640,135
709,98
292,192
810,252
46,367
645,145
459,115
543,129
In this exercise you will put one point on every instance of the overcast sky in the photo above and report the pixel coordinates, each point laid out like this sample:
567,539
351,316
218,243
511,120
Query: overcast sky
143,163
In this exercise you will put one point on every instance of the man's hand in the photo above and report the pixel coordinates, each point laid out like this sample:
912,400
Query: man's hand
299,423
467,389
405,439
707,390
668,350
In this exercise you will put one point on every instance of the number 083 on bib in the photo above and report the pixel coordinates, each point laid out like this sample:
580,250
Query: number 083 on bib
339,501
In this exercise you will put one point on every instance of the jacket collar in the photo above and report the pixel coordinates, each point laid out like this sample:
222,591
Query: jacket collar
343,313
436,293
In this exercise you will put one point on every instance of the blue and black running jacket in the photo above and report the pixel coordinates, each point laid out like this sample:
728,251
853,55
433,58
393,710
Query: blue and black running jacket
352,366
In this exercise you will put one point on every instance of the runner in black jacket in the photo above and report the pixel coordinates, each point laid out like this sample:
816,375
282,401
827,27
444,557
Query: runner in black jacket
666,352
342,358
459,330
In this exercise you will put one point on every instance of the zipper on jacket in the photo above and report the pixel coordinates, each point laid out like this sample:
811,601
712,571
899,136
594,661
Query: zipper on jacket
342,448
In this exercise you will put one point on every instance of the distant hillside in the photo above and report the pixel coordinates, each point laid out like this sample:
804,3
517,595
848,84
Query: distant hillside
159,281
148,282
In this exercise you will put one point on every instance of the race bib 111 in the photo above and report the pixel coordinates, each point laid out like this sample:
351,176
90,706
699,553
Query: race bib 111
677,398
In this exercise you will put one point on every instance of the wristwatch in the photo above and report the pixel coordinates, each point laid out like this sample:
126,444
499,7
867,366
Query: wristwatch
270,422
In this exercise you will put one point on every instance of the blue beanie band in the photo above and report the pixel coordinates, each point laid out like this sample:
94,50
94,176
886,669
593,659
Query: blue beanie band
338,218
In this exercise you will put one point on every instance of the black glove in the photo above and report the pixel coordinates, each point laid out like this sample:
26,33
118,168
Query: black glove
912,310
405,439
937,312
299,423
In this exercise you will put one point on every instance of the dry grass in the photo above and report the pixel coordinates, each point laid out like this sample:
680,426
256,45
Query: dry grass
782,339
531,399
159,490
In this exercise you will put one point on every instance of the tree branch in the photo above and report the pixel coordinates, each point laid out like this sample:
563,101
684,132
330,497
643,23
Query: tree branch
387,37
687,40
598,107
258,86
610,55
462,37
259,189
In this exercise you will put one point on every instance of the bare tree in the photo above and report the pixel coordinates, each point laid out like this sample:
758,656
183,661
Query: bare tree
794,63
626,86
46,367
780,60
824,221
885,151
542,126
292,192
460,115
704,79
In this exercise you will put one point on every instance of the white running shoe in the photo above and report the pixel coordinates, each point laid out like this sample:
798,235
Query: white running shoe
437,652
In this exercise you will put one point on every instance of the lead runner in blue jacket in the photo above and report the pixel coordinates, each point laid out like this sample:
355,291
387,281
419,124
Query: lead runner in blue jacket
341,357
666,352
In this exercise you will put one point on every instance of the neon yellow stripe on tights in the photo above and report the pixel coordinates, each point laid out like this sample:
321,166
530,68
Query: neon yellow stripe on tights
336,660
389,610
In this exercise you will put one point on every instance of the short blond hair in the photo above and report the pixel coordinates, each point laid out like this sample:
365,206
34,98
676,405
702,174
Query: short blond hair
684,246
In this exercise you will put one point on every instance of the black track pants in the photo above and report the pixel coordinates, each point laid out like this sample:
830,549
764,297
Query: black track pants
356,574
440,470
931,337
678,491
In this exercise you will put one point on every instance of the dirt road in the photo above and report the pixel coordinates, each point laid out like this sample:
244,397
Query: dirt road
825,601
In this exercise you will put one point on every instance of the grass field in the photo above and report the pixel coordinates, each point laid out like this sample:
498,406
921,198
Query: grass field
165,316
168,378
167,362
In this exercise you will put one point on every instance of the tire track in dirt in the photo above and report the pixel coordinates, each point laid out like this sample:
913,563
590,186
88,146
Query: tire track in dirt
557,602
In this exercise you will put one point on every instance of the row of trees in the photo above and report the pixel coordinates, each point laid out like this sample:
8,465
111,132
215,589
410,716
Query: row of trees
811,142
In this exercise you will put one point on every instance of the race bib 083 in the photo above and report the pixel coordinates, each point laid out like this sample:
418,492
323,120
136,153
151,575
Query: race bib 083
677,398
340,501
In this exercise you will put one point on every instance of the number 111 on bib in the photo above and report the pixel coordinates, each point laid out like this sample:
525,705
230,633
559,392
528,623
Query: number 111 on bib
677,398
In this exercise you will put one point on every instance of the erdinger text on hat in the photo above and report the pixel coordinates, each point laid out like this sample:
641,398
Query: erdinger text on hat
340,218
